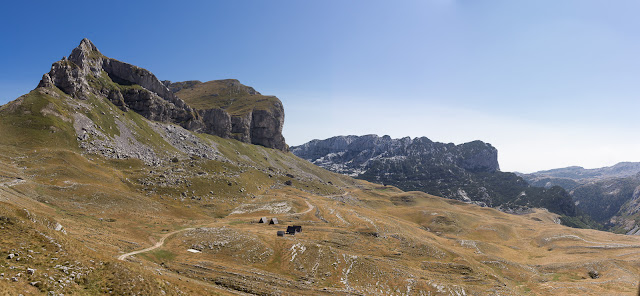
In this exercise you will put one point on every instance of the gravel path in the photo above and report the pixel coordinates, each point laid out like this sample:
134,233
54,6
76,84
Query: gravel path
164,237
157,245
311,207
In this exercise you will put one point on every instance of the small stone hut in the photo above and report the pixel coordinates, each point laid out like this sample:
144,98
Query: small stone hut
294,229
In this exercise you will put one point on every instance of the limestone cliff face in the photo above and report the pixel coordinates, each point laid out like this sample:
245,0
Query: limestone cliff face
218,122
354,155
478,156
254,118
241,127
88,73
266,127
468,172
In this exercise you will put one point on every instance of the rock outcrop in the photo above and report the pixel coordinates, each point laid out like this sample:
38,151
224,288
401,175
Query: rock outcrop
580,174
609,195
604,199
352,155
266,127
219,123
88,73
468,172
254,118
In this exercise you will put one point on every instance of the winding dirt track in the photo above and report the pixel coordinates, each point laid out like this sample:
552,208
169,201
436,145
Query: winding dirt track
157,245
164,237
311,207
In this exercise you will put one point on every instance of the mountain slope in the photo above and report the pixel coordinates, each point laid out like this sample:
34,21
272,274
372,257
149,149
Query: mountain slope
613,202
87,74
84,181
622,169
571,177
603,199
468,172
609,194
238,111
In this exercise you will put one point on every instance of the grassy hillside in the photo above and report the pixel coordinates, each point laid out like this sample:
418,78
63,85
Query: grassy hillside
69,212
229,94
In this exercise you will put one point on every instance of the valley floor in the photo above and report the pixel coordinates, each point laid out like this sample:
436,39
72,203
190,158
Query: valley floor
370,240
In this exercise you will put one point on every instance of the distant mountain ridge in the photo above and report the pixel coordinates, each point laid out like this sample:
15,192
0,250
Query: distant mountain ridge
610,195
608,198
468,172
621,169
350,155
95,198
571,177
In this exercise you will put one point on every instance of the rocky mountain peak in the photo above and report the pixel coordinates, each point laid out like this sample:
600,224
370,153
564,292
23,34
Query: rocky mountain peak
479,156
88,73
468,172
87,56
356,153
87,45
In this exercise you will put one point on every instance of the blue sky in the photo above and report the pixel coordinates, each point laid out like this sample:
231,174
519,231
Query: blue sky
549,83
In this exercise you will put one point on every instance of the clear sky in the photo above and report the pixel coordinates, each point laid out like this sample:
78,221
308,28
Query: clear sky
549,83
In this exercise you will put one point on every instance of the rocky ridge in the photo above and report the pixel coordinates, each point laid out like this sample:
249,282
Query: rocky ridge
353,155
610,195
469,172
88,73
613,202
237,111
359,238
571,177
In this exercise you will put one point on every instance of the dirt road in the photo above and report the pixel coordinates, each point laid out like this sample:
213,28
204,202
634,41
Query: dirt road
157,245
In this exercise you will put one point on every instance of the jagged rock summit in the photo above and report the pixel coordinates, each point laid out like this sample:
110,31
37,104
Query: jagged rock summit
468,172
97,200
87,72
353,155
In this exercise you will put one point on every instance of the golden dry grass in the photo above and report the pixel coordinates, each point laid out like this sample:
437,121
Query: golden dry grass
228,94
358,237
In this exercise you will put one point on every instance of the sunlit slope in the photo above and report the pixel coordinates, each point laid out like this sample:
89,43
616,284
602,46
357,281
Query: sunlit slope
101,182
378,241
228,94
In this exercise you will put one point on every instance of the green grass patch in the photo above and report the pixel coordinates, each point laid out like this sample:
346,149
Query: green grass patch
37,120
161,255
231,95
